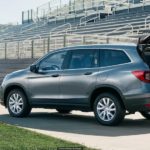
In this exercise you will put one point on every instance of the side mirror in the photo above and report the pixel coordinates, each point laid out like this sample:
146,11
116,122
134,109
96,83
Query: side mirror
33,68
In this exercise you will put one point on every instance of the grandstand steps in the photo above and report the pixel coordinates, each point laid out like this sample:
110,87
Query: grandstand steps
86,30
101,27
118,24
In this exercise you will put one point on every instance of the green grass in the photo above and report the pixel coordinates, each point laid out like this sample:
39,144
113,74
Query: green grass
13,138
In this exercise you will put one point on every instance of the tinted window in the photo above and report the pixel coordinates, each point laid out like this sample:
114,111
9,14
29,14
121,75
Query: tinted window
147,57
146,51
83,59
53,62
113,57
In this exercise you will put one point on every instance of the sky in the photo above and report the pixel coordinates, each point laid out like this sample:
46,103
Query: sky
10,10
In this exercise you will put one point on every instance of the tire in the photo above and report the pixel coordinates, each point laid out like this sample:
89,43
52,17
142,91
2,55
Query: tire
63,111
109,116
145,114
17,104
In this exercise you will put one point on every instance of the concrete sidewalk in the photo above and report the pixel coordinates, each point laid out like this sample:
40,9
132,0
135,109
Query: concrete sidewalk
132,134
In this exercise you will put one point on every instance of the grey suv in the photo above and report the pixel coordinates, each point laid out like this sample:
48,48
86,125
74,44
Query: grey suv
111,80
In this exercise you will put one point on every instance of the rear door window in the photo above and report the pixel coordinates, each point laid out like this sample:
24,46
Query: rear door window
113,57
83,58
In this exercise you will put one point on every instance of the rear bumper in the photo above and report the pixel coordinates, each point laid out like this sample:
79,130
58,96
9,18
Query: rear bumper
138,102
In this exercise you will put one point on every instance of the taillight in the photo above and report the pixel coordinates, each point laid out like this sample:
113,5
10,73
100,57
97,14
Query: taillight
147,105
142,75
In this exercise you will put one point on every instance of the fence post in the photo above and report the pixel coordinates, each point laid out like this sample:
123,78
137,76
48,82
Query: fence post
44,46
18,50
37,13
70,5
93,3
22,17
48,46
107,40
65,40
84,40
143,4
5,50
83,4
74,6
32,49
28,16
49,8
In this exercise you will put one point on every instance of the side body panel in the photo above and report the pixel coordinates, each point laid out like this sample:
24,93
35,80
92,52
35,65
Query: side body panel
76,85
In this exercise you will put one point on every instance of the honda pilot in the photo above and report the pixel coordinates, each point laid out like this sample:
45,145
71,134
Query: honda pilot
112,80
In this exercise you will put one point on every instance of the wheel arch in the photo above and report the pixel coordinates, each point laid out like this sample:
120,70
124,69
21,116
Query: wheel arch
10,88
106,89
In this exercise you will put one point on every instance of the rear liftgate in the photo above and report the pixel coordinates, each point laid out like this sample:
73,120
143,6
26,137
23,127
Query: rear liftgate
144,49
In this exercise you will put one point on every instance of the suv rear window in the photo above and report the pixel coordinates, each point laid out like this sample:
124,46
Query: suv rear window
113,57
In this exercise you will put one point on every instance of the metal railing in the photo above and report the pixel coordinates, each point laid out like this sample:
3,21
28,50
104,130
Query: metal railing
5,28
114,31
9,31
28,45
33,27
57,33
56,7
73,28
23,29
91,19
148,17
31,38
84,20
27,26
141,31
77,39
55,30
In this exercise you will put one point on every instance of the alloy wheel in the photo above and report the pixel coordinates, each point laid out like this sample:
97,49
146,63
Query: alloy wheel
16,103
106,109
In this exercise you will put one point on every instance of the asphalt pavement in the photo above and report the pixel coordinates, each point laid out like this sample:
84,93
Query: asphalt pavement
132,134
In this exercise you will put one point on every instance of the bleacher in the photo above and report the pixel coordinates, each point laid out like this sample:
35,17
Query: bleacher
68,23
92,20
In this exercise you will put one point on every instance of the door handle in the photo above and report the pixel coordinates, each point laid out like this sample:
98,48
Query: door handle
55,75
88,73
